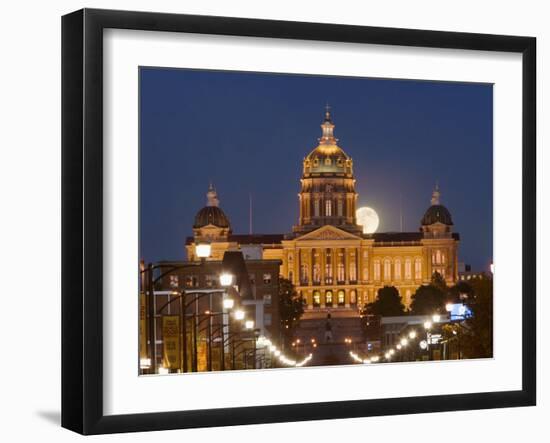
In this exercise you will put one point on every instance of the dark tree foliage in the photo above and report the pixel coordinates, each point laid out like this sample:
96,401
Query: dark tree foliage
461,291
473,337
478,343
291,306
428,300
387,304
439,282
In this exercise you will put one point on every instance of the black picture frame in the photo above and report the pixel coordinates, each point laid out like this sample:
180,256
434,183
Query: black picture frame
82,218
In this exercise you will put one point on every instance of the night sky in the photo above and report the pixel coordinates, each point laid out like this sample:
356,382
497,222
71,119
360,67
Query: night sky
248,133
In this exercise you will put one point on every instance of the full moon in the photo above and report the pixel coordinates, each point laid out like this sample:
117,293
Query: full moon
368,218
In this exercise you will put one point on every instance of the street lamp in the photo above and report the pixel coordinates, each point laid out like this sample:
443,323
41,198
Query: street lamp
228,303
249,324
203,250
436,318
427,324
423,344
226,279
404,342
412,334
239,314
449,307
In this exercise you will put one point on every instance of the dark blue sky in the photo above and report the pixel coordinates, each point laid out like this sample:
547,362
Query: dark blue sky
249,132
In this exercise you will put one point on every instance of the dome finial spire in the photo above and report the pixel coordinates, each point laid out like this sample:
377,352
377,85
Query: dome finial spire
436,194
327,113
212,196
328,128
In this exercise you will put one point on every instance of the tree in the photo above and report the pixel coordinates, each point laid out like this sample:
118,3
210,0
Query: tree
291,307
428,300
439,282
387,303
478,341
461,291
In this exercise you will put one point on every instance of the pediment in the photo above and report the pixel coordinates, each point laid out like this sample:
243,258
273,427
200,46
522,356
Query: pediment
328,233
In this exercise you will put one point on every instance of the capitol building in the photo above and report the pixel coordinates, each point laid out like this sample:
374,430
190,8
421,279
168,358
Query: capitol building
326,255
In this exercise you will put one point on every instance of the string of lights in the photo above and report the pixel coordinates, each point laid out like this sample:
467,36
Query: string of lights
276,352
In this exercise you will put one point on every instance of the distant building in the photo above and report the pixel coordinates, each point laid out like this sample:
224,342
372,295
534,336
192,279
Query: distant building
329,259
259,296
465,273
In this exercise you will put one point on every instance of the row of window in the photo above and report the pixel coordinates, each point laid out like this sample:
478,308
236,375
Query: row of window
211,280
329,207
397,267
329,298
438,257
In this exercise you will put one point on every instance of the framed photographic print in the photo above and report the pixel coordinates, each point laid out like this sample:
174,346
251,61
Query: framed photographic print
269,221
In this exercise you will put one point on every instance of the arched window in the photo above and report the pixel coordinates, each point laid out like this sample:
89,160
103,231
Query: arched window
408,269
417,268
397,269
438,256
353,269
328,298
353,297
328,208
376,270
328,266
316,273
304,274
341,297
316,298
340,207
387,269
316,207
366,274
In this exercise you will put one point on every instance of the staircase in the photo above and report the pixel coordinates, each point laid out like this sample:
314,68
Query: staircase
335,351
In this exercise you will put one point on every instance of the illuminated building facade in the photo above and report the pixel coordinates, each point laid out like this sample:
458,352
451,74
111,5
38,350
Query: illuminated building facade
332,263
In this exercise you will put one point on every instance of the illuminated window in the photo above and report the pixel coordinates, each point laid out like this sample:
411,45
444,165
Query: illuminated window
290,275
328,208
267,279
438,256
408,269
316,207
328,298
267,319
316,273
377,270
328,161
303,274
328,266
341,272
366,274
353,297
210,280
418,268
341,298
340,207
174,281
397,269
387,270
316,298
353,270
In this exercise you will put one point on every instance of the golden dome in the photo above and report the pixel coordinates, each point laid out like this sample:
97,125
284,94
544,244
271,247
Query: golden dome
327,157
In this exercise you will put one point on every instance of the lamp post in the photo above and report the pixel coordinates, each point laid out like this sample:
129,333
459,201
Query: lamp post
203,251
